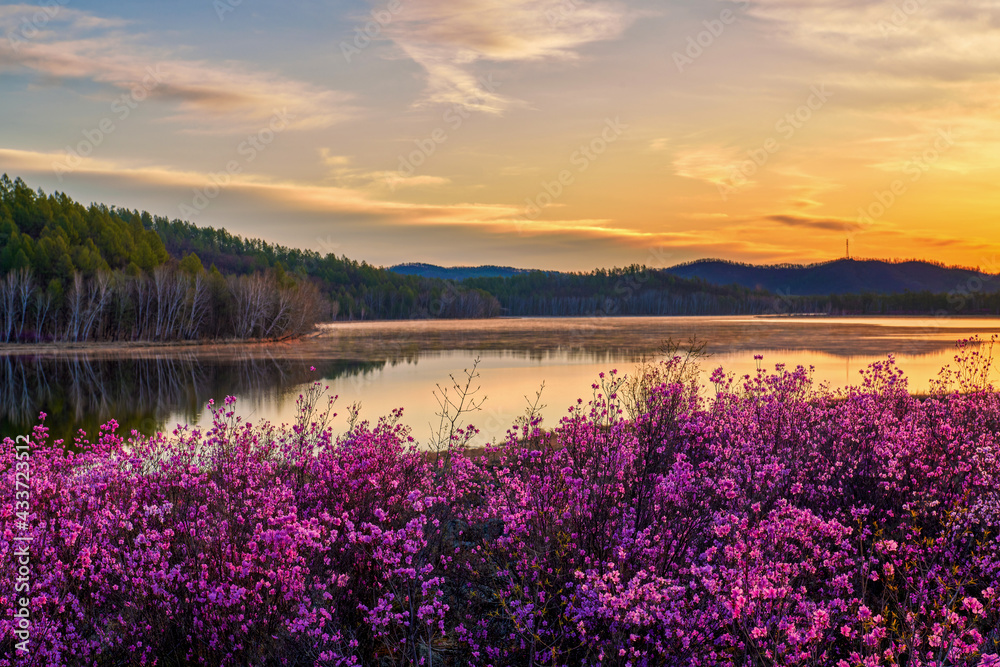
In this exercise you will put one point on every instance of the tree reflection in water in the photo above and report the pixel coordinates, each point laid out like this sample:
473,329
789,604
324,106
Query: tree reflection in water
82,391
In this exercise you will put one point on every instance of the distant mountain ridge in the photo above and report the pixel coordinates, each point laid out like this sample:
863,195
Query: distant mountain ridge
842,276
456,272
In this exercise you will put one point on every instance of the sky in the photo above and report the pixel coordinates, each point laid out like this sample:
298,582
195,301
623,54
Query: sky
552,134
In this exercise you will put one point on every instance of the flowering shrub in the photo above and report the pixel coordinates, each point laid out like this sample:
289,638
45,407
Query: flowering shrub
774,523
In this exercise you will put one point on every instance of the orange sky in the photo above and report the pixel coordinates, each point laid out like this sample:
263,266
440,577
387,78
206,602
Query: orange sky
557,134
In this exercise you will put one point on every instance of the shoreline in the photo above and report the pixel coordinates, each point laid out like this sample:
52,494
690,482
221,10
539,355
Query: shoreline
19,349
325,329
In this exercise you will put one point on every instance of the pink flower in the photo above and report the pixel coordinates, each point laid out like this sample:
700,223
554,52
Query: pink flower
973,605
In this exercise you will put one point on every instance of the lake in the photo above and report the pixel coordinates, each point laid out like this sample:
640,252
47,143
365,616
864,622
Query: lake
386,365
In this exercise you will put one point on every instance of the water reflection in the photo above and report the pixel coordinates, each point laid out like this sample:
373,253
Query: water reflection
148,393
616,336
398,364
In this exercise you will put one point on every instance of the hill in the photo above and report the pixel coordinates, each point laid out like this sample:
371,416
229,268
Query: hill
73,273
842,276
456,272
355,289
77,273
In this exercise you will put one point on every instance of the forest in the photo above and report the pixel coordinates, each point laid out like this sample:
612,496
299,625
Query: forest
354,290
639,290
633,290
71,273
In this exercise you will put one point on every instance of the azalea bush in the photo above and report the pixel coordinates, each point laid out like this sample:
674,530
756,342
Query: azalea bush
760,521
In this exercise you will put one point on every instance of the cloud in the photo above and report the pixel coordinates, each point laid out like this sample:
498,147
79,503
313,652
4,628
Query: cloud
20,22
810,222
294,196
659,144
714,164
394,180
343,174
331,160
918,40
448,37
206,97
295,200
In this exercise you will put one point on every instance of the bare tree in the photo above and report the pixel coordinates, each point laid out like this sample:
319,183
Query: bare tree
161,280
75,308
144,298
43,303
264,297
8,295
167,305
120,308
240,292
306,305
98,297
198,306
25,287
253,298
176,296
281,315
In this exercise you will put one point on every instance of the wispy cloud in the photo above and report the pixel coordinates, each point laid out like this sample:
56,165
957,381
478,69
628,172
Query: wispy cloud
336,201
447,38
19,21
923,40
203,96
713,164
342,172
810,222
659,144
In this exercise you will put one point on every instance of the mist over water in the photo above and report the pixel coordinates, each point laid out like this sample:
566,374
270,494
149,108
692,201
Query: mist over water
387,365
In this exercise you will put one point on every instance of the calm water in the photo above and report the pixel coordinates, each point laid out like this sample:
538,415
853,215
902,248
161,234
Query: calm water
388,365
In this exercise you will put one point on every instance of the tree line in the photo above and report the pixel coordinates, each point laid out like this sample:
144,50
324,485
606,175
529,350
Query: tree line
639,290
101,272
167,305
353,290
632,290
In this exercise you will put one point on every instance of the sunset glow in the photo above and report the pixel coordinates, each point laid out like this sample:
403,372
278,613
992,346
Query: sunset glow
560,134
